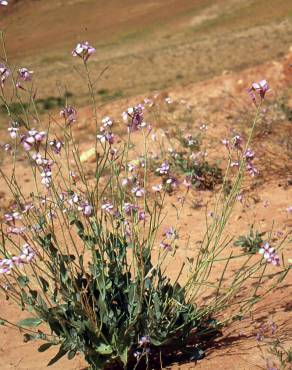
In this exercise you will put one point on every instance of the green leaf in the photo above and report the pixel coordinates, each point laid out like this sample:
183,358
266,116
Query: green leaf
2,322
71,355
45,284
58,356
104,349
23,280
44,347
30,322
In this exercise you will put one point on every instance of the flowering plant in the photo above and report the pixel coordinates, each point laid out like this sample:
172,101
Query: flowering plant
82,254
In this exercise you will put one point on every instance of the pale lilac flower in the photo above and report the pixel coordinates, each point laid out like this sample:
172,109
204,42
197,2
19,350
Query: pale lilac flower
289,209
173,182
4,73
40,161
203,127
171,234
234,164
138,192
141,216
251,170
166,246
261,88
27,207
51,214
249,155
107,207
237,142
69,114
106,137
148,102
157,188
225,142
5,266
163,169
190,140
25,74
134,118
3,2
83,50
86,208
32,139
130,208
144,341
187,182
106,122
239,197
269,254
73,175
13,132
56,146
7,147
154,137
12,217
27,253
46,176
74,199
16,230
168,100
266,203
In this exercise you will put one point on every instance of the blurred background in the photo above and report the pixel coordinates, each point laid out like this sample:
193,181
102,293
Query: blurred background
142,46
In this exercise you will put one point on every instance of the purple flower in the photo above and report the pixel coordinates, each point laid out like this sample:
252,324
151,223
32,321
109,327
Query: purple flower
269,254
249,154
187,182
144,341
172,182
289,209
69,114
86,208
237,142
83,50
251,170
106,138
171,234
157,188
107,207
225,142
163,169
56,146
25,74
130,208
260,88
3,2
27,254
13,132
4,73
106,122
141,216
46,176
12,217
32,139
16,230
134,117
5,266
138,192
166,246
234,164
